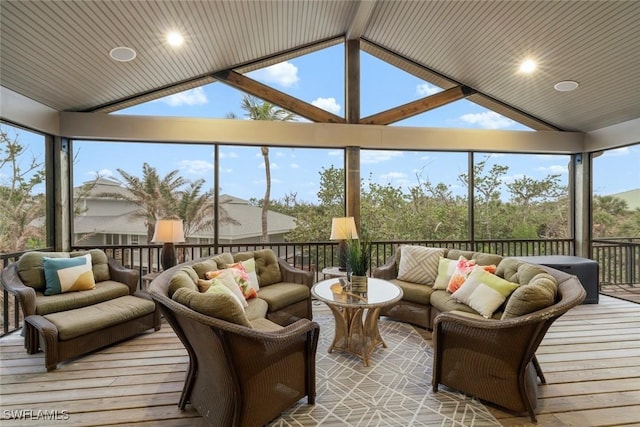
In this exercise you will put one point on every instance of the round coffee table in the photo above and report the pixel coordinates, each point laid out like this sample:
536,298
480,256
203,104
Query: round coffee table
353,333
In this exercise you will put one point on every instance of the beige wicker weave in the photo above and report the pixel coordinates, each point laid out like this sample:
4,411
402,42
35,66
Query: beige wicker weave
238,376
495,360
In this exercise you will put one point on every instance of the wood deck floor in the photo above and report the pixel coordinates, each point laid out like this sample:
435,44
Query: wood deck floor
591,359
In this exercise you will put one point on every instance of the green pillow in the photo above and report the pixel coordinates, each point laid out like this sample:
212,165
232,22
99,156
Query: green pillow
446,268
30,268
203,266
538,294
68,274
218,302
186,277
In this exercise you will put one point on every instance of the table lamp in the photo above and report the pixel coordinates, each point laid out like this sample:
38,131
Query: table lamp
168,231
343,229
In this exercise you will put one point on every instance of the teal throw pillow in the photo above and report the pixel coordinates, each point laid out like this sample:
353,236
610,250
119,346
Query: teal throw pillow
68,274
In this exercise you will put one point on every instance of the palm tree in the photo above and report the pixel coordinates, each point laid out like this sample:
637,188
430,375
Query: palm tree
153,195
262,110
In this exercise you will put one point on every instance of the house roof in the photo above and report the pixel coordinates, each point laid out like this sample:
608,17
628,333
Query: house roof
57,52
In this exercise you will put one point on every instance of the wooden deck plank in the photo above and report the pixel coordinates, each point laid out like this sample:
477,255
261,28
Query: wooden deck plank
590,356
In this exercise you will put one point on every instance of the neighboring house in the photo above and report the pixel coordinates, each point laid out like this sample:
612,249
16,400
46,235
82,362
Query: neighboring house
109,221
632,197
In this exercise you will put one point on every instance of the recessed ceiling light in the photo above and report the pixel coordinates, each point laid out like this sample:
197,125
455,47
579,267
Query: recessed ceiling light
566,86
122,54
174,38
528,66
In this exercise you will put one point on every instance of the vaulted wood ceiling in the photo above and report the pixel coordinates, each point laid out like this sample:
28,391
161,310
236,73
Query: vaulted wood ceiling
56,52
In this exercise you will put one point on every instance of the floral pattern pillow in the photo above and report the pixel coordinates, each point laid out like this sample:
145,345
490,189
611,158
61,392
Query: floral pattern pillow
239,275
464,267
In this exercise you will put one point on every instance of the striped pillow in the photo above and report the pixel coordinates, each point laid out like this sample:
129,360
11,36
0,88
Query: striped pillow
419,264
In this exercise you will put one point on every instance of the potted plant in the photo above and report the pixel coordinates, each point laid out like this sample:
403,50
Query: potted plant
358,261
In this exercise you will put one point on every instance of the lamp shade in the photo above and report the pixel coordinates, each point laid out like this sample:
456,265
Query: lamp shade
343,229
168,230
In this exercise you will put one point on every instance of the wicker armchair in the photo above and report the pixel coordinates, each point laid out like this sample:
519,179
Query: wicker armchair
495,360
238,376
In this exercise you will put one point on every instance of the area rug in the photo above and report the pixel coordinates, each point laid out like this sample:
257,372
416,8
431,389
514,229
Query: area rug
395,390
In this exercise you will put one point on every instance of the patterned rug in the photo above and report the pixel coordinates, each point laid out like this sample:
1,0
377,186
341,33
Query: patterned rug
395,390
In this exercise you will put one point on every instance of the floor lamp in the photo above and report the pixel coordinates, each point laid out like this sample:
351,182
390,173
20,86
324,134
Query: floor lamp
343,229
168,231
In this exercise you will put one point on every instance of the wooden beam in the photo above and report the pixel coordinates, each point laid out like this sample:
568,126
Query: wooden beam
419,106
276,97
352,81
361,18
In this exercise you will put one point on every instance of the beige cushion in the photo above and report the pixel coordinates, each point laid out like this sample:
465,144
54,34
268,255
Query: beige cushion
217,302
419,264
265,325
100,316
203,266
484,292
446,268
99,263
266,263
414,292
103,291
280,295
222,260
256,309
186,277
538,294
30,268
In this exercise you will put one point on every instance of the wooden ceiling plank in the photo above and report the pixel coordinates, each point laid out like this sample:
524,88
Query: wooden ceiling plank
360,20
276,97
419,106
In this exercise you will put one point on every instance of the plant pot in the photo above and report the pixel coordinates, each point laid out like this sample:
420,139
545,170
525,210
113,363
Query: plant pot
359,284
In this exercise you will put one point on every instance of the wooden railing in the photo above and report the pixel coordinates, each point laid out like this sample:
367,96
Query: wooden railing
618,259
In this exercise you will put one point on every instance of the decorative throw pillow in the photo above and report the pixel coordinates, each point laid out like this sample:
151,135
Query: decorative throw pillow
484,292
225,277
463,268
419,264
219,302
241,277
68,274
446,268
250,267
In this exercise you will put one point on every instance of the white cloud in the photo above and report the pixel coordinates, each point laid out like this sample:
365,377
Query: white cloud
327,104
623,151
229,155
190,97
273,166
488,120
378,156
426,89
554,169
294,166
196,167
284,74
396,178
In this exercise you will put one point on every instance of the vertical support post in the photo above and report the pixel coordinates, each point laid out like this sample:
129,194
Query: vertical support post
581,165
62,191
352,183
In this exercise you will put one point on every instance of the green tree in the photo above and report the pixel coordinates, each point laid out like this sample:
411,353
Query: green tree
256,109
607,212
20,208
154,195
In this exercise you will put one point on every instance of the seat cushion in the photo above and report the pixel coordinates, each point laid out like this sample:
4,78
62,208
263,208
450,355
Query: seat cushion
103,291
218,302
443,301
283,294
81,321
256,309
265,325
419,294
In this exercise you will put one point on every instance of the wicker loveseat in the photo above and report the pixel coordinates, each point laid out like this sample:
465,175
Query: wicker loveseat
70,324
244,368
490,358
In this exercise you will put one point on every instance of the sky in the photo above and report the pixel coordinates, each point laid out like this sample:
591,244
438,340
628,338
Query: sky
318,78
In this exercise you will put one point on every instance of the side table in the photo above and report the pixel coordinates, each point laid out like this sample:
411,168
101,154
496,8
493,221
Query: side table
354,334
148,278
334,272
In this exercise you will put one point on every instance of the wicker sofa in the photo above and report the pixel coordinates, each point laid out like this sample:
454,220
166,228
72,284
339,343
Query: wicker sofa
245,366
491,358
70,324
